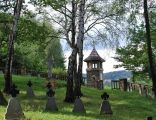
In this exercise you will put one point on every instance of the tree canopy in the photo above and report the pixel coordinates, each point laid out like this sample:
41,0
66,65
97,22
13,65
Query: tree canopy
31,44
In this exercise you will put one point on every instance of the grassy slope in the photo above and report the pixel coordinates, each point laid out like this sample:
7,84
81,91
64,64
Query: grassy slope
125,105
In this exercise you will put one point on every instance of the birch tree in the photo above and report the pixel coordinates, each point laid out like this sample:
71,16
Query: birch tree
72,63
149,47
80,39
11,38
139,14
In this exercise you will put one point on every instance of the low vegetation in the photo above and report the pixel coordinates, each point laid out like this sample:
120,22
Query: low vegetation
125,105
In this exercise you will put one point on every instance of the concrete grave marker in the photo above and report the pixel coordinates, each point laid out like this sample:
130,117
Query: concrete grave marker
49,86
30,91
78,104
105,106
14,110
51,104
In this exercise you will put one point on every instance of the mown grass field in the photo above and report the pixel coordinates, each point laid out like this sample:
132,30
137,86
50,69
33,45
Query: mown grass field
125,105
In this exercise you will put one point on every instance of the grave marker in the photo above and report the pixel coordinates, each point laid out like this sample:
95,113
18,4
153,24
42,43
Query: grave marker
78,104
105,106
149,118
30,91
14,110
51,104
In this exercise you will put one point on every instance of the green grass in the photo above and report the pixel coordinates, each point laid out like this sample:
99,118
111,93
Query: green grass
125,105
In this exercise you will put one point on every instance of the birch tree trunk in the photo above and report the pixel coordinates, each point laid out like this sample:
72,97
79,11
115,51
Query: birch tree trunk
80,39
70,76
11,37
72,59
149,48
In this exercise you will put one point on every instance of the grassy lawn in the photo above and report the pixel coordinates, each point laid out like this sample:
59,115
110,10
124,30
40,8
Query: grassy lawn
125,105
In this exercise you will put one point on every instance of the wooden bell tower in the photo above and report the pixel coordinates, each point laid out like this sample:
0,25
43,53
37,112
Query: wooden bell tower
94,69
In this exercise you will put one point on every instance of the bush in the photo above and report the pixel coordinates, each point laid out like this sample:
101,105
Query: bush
59,72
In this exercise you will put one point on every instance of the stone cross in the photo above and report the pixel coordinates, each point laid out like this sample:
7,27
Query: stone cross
30,92
29,83
105,106
149,118
14,110
51,104
105,96
14,91
49,86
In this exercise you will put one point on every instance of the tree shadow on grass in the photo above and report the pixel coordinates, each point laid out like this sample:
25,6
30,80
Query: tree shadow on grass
91,115
134,108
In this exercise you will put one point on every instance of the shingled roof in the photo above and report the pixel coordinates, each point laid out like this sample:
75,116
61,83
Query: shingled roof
94,56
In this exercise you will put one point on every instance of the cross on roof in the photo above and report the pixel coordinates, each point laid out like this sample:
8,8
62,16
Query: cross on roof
94,43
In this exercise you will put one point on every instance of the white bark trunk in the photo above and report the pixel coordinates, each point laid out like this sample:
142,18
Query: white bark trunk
80,38
81,25
12,35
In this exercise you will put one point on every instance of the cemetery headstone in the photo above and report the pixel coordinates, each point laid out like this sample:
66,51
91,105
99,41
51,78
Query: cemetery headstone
105,106
123,84
30,91
78,104
49,86
129,86
14,110
144,91
140,89
2,99
152,94
149,118
51,104
100,85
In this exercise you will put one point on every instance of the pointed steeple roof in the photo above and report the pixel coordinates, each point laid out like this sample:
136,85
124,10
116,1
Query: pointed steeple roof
94,56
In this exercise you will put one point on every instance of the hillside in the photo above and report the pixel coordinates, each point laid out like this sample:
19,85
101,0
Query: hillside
125,105
115,75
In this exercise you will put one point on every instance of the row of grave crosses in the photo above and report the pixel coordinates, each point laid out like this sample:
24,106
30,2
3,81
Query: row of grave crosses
14,91
78,105
14,110
50,93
